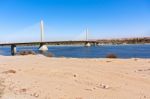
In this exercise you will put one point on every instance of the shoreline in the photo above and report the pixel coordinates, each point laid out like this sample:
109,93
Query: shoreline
63,57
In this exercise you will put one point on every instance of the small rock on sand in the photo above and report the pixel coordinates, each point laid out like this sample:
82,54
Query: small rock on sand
103,86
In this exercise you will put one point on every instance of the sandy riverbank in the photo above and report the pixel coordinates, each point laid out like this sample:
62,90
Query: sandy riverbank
39,77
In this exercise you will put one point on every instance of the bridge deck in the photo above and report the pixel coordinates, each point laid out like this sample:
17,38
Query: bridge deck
48,43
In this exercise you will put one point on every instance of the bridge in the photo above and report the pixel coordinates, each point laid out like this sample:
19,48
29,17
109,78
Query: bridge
43,44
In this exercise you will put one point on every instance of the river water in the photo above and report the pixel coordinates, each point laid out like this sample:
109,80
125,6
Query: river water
122,51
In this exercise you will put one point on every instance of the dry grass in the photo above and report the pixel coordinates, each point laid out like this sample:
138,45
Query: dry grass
50,55
47,54
26,53
111,56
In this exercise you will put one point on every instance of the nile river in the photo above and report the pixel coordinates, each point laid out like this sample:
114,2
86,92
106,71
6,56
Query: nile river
122,51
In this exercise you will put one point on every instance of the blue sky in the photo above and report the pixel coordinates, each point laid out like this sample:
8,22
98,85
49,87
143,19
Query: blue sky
67,19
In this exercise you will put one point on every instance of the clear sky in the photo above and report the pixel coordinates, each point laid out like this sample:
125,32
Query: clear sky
67,19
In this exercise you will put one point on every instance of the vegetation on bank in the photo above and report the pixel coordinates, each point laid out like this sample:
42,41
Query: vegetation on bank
26,52
126,41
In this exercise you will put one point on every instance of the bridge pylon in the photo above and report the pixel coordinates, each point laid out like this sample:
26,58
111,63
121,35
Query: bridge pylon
13,49
43,47
87,44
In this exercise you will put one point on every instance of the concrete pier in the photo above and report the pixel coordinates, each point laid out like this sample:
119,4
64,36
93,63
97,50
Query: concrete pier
13,49
87,44
95,44
43,47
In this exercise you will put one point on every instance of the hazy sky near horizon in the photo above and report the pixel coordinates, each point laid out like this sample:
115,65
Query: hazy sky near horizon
67,19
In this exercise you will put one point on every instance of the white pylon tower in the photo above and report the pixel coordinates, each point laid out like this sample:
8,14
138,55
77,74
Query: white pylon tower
87,44
42,30
87,32
42,47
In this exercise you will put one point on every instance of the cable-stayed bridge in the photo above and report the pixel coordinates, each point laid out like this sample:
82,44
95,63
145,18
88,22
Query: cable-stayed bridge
43,44
23,40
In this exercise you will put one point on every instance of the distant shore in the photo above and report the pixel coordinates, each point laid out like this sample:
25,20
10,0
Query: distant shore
40,77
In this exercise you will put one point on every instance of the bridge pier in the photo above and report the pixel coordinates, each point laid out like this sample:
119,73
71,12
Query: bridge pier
87,44
13,49
43,47
95,44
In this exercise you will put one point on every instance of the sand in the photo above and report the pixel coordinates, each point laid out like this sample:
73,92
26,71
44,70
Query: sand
40,77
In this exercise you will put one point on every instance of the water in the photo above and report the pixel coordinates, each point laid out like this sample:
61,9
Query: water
122,51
